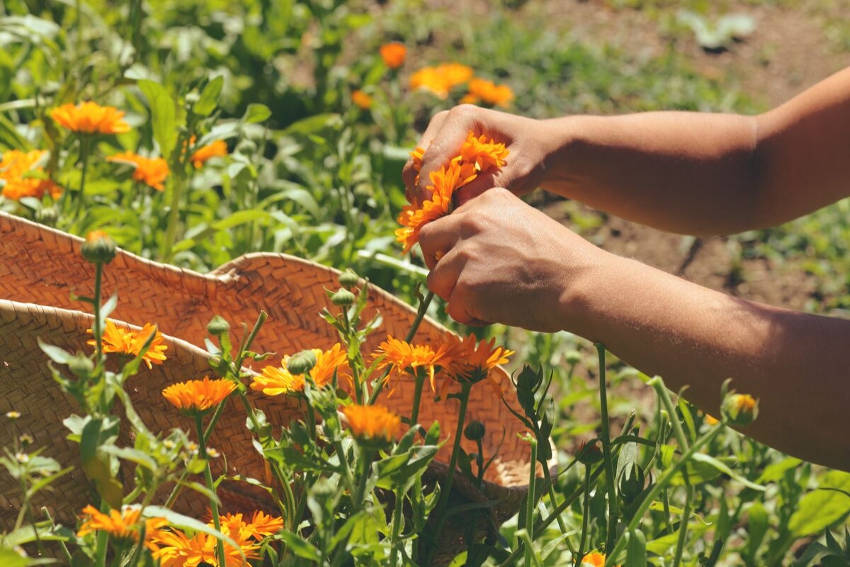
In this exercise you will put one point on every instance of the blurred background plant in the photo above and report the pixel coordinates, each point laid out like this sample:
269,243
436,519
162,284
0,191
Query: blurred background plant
317,120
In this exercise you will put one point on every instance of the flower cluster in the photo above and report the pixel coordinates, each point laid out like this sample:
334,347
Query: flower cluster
22,177
442,79
124,340
276,380
478,154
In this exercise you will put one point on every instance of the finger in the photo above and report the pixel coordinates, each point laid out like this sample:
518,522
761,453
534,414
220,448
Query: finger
437,238
444,143
477,186
459,308
442,279
410,173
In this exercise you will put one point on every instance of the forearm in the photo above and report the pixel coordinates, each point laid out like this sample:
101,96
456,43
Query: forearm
703,173
795,363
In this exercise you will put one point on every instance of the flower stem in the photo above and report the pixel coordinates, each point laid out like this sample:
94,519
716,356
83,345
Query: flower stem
584,517
417,396
219,546
84,158
397,516
529,501
605,437
98,331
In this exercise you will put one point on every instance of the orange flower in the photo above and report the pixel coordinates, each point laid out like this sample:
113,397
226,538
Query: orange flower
151,171
123,524
442,79
361,99
405,357
471,361
372,422
90,118
262,525
593,559
482,90
202,154
175,549
198,395
276,380
477,154
393,54
127,341
23,178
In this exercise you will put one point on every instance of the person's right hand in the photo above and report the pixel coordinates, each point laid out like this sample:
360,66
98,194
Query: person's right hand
446,133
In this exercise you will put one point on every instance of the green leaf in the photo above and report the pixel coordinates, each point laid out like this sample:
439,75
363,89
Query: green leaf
241,217
757,525
11,558
256,113
821,508
55,353
163,115
300,546
209,97
132,455
636,549
180,521
776,471
709,460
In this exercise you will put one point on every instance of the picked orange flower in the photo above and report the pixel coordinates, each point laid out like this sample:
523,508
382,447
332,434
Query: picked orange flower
372,422
124,340
204,153
22,177
198,395
90,118
393,54
150,171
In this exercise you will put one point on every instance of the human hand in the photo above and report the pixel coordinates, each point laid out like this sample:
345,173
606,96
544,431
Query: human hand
496,259
446,133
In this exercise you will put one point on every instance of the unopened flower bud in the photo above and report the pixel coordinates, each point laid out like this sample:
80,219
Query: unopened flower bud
348,279
98,247
342,298
631,482
218,325
474,431
47,215
740,409
81,365
26,439
573,357
589,453
302,362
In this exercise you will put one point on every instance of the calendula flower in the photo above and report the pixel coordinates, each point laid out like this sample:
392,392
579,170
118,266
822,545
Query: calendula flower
372,422
393,54
593,559
124,340
198,395
90,118
172,548
477,154
442,79
204,153
482,90
361,99
276,380
740,409
150,171
122,524
405,357
22,177
471,362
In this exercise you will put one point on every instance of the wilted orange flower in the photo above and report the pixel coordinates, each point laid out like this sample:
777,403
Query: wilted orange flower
202,154
198,395
22,178
372,422
122,524
127,341
477,154
442,79
90,118
482,90
276,380
393,54
361,99
151,171
405,357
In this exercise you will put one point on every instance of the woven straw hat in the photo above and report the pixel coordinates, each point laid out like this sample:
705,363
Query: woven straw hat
42,268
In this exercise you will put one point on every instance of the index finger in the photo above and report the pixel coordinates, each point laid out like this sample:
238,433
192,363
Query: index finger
410,172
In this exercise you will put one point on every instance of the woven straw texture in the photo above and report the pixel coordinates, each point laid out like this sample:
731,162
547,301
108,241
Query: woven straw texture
41,270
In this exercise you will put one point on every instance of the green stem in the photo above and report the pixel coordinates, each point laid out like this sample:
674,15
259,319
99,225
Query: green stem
419,376
662,483
84,158
173,214
585,514
605,437
98,330
202,443
397,516
529,502
551,489
683,528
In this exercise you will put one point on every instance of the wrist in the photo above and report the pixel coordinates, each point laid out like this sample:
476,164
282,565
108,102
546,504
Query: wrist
584,300
559,137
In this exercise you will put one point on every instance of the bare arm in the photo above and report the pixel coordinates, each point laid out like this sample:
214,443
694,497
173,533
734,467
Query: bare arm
688,172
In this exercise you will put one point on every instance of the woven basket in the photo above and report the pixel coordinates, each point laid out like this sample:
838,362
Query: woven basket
42,268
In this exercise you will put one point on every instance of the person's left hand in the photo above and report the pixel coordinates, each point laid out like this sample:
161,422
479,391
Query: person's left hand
496,259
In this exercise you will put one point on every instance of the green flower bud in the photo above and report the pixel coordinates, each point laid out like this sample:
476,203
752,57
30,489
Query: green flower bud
81,366
343,298
348,279
631,482
740,409
302,362
573,357
218,325
589,453
98,247
474,431
47,215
